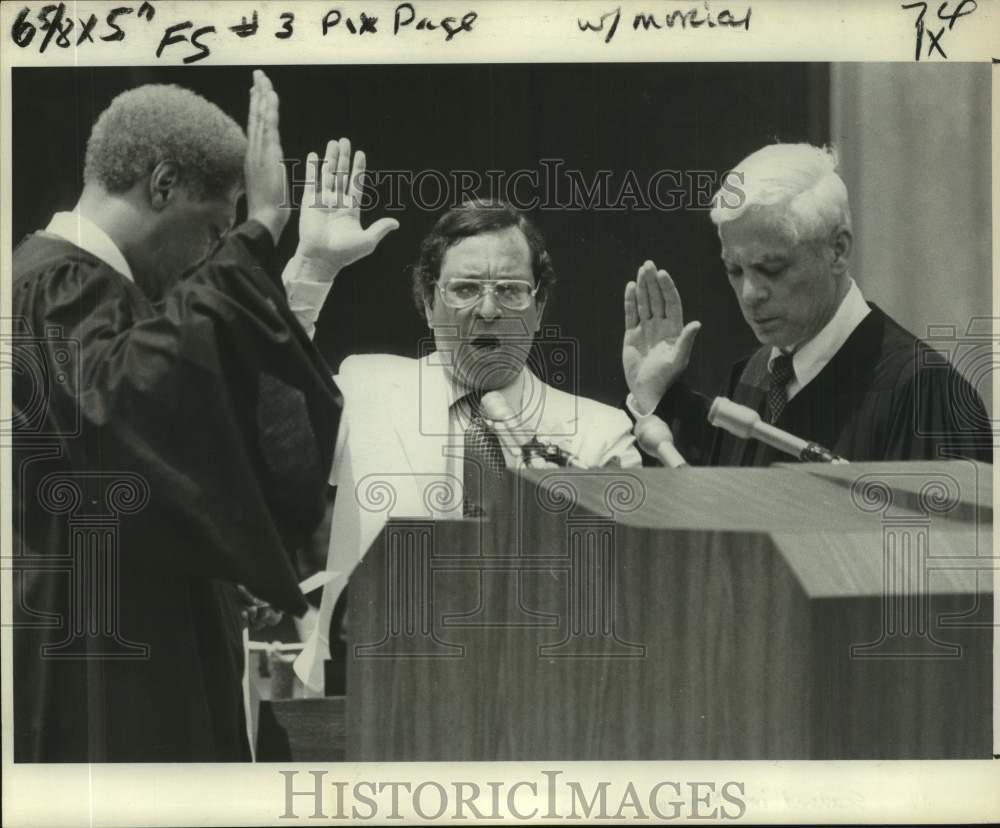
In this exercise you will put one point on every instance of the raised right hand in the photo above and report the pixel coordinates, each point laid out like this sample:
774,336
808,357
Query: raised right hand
264,168
657,344
330,219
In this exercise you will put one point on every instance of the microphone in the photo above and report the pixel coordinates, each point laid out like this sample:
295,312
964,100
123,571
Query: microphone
656,439
523,449
512,439
746,423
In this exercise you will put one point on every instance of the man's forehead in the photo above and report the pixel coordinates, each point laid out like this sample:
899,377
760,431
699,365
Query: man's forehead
505,251
756,236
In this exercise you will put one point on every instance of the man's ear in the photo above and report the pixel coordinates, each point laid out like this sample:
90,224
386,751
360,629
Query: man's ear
428,313
163,182
840,245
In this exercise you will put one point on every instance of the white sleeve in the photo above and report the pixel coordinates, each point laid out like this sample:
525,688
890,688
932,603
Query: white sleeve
307,284
341,449
609,440
623,452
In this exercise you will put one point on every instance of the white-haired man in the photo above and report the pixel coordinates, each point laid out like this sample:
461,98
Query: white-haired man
833,368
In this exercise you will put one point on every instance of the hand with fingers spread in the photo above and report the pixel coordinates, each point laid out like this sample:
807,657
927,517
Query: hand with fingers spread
657,344
264,169
330,220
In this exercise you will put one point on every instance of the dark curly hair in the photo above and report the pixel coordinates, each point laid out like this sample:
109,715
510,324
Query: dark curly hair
158,122
473,218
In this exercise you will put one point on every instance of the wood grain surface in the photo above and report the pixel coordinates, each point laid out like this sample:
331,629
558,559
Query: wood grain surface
713,615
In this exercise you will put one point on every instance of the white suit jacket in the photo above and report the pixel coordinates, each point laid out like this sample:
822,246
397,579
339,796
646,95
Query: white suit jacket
396,457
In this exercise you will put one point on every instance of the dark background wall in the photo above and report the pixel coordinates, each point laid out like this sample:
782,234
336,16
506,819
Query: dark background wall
615,117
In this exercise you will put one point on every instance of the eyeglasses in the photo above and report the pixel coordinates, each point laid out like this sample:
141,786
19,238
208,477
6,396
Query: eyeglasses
513,294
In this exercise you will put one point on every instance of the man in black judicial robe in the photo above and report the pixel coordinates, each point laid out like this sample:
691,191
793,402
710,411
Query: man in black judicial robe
833,369
173,438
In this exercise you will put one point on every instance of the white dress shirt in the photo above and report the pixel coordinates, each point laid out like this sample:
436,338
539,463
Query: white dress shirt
79,230
813,356
306,289
518,395
305,300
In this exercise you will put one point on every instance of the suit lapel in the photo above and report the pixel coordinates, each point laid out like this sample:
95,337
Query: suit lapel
425,436
556,421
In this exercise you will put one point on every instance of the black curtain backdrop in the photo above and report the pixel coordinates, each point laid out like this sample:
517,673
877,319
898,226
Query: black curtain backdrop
615,117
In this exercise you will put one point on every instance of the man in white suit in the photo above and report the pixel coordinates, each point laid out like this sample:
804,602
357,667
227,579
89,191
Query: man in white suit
413,438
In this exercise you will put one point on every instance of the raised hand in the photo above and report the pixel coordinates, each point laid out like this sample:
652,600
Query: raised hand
264,169
330,220
657,344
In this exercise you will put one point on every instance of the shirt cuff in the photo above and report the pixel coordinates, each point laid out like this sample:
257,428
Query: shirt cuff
632,404
305,293
306,296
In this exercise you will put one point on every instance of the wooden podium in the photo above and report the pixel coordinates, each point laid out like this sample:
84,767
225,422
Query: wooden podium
795,612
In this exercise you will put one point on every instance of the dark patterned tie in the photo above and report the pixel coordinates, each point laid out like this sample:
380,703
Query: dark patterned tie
483,458
777,396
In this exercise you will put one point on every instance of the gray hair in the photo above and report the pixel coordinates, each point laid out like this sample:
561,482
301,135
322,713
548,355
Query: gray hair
799,177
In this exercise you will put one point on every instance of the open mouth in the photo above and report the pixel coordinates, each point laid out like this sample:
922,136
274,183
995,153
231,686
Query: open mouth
485,343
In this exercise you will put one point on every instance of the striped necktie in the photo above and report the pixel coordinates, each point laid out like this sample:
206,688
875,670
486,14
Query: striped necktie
777,395
483,457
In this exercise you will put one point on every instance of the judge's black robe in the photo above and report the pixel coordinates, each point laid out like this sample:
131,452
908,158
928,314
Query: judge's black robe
162,453
885,395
